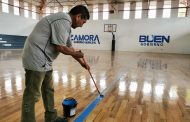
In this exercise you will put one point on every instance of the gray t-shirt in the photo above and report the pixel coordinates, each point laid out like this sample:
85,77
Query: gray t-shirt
39,50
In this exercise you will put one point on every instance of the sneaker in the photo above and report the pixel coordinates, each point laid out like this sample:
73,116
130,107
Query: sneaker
61,119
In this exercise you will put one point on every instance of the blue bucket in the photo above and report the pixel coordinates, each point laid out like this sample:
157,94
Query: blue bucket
69,107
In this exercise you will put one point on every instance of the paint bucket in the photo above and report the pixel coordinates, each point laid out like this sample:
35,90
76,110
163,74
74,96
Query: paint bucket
69,107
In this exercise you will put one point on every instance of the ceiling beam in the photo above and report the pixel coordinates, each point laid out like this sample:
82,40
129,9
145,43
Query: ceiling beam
86,2
59,3
42,4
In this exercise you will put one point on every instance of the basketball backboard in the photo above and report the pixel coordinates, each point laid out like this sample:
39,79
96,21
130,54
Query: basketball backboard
110,27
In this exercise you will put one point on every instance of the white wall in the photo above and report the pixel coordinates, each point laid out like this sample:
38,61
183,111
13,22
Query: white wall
16,25
128,31
127,35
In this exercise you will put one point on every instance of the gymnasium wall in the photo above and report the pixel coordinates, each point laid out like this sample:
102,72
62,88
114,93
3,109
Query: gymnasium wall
92,35
129,31
14,30
16,25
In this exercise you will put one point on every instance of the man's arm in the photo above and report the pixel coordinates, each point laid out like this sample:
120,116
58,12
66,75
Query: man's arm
83,64
69,51
77,55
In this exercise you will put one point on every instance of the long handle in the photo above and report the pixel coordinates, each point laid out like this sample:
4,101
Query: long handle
92,77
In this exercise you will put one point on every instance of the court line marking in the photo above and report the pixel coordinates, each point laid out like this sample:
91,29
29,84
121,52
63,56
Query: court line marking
95,102
88,109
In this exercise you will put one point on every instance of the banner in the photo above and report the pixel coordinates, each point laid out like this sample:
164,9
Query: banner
12,41
85,39
153,40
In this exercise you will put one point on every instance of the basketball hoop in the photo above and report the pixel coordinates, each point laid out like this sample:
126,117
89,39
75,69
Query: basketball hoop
111,28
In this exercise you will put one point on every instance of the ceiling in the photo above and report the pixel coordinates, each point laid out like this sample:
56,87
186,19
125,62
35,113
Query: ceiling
85,2
41,4
53,3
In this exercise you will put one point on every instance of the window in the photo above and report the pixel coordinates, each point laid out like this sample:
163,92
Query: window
56,9
47,11
26,13
16,7
152,9
95,12
138,10
167,9
105,12
126,12
65,9
182,8
5,7
33,12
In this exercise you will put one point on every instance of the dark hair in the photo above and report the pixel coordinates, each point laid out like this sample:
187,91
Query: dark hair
80,9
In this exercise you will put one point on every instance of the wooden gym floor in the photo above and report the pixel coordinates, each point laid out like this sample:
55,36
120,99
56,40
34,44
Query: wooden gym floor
138,87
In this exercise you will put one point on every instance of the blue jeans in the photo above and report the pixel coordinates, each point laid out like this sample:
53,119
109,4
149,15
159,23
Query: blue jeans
38,83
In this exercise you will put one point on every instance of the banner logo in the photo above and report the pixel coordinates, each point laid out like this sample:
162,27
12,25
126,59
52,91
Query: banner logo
85,39
154,40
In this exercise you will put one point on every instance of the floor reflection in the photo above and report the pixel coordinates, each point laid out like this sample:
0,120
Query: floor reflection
55,77
83,80
133,88
147,88
65,78
187,97
159,90
102,83
18,82
146,63
10,54
8,86
145,78
122,88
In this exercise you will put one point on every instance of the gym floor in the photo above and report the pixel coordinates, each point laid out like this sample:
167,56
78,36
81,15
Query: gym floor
138,87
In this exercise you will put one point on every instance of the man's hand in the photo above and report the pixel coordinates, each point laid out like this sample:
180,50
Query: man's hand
85,65
78,54
69,51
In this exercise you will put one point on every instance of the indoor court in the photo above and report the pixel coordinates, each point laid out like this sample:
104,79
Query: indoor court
139,57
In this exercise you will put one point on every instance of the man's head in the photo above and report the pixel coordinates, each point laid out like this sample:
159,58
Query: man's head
79,15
